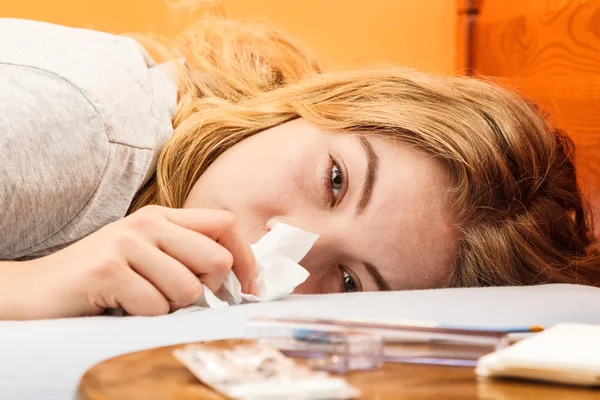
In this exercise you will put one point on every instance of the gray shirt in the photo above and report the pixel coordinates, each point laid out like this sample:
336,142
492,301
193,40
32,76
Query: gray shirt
83,116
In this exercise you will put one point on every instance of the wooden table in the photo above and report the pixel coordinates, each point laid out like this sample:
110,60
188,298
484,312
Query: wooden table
156,374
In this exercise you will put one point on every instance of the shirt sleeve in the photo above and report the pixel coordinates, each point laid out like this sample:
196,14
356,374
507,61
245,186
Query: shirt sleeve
53,150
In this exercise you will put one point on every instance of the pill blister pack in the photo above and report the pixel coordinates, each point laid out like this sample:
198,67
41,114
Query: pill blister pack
248,372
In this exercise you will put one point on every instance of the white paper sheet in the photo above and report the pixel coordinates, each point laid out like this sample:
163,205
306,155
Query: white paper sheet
277,256
565,353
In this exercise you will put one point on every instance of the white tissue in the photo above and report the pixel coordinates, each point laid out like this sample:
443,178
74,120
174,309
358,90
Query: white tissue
277,256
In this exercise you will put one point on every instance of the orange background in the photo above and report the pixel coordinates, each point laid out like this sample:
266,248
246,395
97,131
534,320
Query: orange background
419,34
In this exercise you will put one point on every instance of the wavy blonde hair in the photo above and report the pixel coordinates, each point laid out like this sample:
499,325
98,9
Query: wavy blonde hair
513,187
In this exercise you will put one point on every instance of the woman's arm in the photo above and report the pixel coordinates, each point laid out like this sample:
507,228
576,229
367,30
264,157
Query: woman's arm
25,293
152,262
16,290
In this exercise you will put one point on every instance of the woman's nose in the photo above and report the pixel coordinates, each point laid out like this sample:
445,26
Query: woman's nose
271,223
288,221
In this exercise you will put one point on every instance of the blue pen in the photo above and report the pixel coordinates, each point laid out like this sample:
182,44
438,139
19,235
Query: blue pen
503,329
317,336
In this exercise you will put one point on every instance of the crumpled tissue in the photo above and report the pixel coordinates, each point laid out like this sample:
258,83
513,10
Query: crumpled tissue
277,256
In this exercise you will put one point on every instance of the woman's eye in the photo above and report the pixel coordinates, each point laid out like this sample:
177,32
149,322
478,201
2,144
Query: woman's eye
337,180
349,285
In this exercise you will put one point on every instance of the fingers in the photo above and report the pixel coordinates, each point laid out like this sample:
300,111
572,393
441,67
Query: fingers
137,296
156,260
204,257
175,282
222,227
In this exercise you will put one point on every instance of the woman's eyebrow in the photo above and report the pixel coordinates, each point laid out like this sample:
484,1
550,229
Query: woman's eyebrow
381,283
370,176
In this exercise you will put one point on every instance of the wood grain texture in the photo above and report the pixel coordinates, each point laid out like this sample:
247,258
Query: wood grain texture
156,374
464,24
550,51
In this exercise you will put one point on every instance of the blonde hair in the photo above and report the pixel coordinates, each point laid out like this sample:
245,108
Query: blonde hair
513,188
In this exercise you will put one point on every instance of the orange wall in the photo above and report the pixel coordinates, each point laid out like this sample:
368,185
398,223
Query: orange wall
420,33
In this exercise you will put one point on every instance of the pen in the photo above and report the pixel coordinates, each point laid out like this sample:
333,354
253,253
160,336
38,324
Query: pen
324,336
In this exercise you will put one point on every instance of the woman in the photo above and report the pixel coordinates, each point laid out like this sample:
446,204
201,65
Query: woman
127,183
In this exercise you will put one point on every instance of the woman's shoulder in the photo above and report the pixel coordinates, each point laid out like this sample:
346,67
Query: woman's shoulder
76,55
83,115
113,73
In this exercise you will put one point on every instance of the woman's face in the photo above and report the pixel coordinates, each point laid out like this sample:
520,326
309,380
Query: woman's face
379,207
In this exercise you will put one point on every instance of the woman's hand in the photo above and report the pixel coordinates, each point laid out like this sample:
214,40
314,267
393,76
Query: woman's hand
152,262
